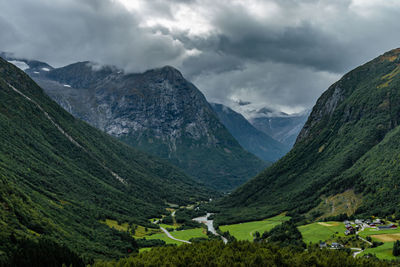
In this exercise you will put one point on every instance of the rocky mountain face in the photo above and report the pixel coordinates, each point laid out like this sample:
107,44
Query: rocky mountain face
158,111
280,126
60,177
252,139
346,155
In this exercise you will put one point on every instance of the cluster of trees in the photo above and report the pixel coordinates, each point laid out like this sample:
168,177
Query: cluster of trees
242,253
41,252
396,248
283,235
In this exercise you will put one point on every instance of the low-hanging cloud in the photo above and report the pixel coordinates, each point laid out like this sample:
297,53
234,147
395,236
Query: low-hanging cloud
276,53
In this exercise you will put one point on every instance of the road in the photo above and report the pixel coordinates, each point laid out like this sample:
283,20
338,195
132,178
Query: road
357,251
170,236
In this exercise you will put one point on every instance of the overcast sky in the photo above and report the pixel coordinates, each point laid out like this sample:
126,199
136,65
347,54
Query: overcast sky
280,54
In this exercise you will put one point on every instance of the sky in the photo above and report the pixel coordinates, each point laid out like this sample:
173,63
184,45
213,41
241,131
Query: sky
280,54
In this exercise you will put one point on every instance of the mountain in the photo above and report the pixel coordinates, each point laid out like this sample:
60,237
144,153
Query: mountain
157,111
280,126
60,176
346,158
250,138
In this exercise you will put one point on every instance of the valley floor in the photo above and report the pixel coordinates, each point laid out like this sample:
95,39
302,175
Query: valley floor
368,240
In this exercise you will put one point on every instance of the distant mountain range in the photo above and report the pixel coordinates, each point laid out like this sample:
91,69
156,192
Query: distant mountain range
157,111
280,126
345,159
252,139
60,176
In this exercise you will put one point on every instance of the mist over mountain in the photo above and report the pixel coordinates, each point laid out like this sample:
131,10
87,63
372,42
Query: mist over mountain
157,111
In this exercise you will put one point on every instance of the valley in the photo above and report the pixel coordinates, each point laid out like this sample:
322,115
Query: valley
369,240
88,192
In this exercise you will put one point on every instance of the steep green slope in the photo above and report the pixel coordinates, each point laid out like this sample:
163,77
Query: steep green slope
157,111
253,140
350,142
59,176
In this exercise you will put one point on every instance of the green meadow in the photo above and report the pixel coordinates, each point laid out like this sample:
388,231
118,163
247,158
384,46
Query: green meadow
245,231
183,235
382,252
321,231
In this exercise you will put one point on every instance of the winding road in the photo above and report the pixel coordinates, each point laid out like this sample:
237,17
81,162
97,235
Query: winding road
170,236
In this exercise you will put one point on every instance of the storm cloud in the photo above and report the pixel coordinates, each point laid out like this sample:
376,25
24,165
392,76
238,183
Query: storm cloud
281,54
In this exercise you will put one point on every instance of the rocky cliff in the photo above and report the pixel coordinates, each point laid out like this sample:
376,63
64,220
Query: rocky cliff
158,111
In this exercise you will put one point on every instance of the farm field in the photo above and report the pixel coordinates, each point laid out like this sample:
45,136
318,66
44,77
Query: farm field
184,235
245,231
382,252
163,237
166,226
321,231
373,231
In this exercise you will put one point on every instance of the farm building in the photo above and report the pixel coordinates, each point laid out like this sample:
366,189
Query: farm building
386,227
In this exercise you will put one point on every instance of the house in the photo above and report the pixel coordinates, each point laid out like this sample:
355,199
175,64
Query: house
323,245
346,222
336,245
347,232
348,226
387,227
368,221
372,225
377,221
358,221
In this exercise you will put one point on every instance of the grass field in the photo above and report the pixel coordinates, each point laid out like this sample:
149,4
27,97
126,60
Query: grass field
321,231
244,231
372,231
382,252
144,249
169,225
184,235
164,237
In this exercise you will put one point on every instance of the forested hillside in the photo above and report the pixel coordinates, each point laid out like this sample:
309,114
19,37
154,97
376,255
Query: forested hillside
350,144
242,253
59,177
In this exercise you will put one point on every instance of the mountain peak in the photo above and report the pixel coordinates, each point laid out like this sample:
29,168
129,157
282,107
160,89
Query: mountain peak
167,72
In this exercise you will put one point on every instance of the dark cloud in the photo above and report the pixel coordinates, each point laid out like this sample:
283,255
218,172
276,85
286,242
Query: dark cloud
62,32
278,53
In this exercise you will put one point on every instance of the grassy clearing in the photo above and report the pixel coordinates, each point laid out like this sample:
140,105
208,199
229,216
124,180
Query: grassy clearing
184,235
191,233
141,232
114,224
382,252
163,237
374,231
316,232
144,249
387,237
245,231
169,225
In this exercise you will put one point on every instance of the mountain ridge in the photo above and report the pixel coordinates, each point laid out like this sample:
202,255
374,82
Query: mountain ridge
348,143
253,140
157,111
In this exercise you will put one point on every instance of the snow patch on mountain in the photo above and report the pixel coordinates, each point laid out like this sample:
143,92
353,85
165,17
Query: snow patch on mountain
20,64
